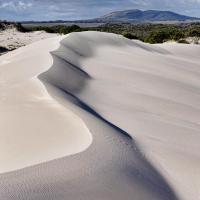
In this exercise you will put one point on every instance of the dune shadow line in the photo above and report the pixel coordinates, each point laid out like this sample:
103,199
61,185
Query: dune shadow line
78,78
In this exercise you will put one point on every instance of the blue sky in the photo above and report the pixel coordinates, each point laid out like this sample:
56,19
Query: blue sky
18,10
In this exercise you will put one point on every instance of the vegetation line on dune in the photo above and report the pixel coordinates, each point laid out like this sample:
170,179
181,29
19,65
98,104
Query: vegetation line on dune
149,33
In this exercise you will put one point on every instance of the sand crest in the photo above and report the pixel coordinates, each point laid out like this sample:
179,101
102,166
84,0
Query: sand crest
122,117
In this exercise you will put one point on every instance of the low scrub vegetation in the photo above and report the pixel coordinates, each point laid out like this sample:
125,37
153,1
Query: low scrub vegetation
3,50
183,41
150,33
130,36
154,33
61,29
5,24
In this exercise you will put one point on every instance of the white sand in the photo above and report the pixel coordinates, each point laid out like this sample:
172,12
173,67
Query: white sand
13,39
34,128
118,88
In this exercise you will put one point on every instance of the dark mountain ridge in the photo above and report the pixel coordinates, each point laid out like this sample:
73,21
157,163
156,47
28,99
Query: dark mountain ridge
142,16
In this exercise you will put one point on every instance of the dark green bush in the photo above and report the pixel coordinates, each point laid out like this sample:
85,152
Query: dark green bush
158,36
183,41
61,29
20,28
176,34
194,33
3,49
130,36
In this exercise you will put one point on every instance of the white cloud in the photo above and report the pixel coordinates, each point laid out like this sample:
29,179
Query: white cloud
15,5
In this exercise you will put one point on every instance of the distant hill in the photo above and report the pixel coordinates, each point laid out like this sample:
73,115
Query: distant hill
128,16
143,16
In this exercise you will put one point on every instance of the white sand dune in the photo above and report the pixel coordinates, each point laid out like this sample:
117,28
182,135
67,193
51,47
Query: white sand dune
34,127
95,116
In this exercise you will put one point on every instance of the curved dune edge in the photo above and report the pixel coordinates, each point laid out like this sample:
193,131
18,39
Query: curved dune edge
121,89
34,127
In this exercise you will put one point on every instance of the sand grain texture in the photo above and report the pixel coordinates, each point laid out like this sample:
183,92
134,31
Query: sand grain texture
114,119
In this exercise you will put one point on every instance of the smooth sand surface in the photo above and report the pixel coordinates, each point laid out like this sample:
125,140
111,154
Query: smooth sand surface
34,128
124,116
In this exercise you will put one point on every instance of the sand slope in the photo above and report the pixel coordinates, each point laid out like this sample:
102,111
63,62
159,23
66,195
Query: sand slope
34,128
139,101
